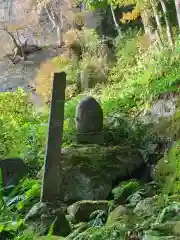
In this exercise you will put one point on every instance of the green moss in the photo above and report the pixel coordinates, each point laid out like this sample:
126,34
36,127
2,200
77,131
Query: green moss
119,214
167,172
99,158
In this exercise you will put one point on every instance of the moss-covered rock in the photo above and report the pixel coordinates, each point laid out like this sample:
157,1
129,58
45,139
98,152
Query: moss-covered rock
71,219
167,172
88,171
119,214
41,217
82,210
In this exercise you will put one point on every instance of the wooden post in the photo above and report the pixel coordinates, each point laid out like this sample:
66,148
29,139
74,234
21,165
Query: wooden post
52,165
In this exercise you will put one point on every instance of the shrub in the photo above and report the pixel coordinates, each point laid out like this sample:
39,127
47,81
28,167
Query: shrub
72,36
167,172
79,20
45,75
93,70
20,131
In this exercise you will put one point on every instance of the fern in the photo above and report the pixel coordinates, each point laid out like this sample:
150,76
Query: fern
136,197
171,212
97,218
126,189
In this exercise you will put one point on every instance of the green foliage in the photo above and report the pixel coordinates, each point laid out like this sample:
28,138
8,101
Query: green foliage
23,196
126,189
136,197
168,171
81,227
134,82
113,232
170,213
11,222
98,218
21,133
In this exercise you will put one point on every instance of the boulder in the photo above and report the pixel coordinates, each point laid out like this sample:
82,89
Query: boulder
41,217
82,210
117,215
13,169
89,172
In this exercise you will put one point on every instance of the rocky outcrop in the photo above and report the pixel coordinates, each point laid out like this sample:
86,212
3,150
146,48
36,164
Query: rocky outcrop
41,217
82,210
88,172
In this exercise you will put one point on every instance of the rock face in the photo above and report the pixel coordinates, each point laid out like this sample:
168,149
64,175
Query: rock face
42,216
82,210
90,171
13,169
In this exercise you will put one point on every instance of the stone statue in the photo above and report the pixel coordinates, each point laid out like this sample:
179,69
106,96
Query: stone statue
89,121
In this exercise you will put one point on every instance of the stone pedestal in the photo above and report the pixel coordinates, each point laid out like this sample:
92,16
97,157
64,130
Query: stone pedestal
90,138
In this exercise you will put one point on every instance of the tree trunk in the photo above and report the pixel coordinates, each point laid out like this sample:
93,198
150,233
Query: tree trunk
177,4
60,29
168,25
58,25
115,21
156,15
158,31
148,28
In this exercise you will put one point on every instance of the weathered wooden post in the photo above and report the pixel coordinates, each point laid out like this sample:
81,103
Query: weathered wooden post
52,164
